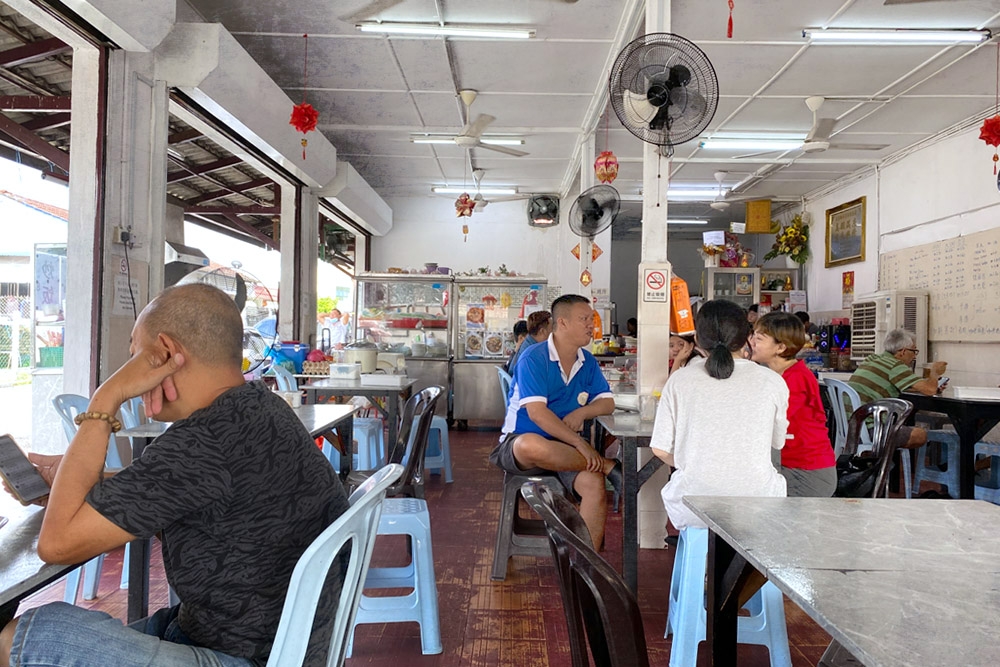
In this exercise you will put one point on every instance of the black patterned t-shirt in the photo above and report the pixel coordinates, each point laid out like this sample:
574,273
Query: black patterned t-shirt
239,490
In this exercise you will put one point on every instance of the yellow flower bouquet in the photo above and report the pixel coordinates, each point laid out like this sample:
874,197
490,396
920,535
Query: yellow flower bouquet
792,240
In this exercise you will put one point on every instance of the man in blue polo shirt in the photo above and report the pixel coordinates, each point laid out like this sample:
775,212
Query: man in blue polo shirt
557,386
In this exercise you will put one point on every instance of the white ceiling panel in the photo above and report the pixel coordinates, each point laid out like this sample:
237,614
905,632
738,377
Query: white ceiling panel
356,142
921,115
974,74
752,21
364,108
941,14
788,114
741,70
533,67
586,19
424,63
841,66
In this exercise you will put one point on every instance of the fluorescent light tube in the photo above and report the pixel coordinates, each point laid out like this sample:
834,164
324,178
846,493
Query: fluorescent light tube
441,190
902,36
687,222
451,140
431,30
752,144
674,193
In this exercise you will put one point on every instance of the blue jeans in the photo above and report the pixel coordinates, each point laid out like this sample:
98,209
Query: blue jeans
61,635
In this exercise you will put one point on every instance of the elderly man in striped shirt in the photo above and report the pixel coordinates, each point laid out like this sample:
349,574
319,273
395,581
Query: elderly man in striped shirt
888,374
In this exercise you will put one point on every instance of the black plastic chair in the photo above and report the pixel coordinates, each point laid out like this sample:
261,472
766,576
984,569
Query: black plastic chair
406,451
600,609
887,415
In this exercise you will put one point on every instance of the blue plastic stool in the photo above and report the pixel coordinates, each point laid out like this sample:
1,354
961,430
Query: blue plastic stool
686,617
371,454
948,442
438,455
405,516
990,493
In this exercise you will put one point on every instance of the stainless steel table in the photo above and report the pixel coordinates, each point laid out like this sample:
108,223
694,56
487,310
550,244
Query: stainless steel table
318,390
895,582
633,433
318,420
22,572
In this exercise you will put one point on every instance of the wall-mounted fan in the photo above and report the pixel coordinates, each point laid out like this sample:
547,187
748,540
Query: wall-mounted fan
594,210
256,305
818,138
664,89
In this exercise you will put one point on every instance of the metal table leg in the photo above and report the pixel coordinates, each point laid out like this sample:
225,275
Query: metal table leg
138,563
630,520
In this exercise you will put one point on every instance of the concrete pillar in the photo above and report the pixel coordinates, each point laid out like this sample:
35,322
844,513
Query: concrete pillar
308,252
654,317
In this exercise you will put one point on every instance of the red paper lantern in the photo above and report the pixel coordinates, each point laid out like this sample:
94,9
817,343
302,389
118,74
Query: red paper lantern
990,133
606,167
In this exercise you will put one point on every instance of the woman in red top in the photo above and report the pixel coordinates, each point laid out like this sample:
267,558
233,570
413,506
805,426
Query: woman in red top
807,460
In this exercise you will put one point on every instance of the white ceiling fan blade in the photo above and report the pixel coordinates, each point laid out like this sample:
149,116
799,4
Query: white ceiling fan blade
821,129
859,147
477,126
638,110
758,154
370,10
501,149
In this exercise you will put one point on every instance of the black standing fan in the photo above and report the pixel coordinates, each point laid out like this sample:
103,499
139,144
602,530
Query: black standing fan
594,210
255,303
664,89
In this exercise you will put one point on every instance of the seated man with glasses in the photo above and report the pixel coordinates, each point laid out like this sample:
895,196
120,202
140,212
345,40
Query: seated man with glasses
890,373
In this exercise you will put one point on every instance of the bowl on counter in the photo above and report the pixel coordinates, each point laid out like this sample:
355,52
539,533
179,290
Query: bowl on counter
418,349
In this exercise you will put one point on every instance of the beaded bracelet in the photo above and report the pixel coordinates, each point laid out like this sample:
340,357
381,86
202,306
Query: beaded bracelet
100,416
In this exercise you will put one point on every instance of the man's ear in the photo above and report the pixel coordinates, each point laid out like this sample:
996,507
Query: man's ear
169,344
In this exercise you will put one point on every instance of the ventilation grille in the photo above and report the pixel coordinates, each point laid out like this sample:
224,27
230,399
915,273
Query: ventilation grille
864,332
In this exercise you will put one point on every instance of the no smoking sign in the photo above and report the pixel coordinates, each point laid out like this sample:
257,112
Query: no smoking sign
654,286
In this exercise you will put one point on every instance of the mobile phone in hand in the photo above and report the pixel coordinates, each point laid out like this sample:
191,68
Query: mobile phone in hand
943,382
20,474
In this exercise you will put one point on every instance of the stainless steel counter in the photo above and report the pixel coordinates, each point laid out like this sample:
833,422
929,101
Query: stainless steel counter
477,389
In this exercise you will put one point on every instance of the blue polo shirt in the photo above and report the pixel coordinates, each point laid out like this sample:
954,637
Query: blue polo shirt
538,377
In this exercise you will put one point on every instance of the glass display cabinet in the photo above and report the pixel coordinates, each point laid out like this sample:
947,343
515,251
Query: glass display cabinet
739,285
486,308
409,314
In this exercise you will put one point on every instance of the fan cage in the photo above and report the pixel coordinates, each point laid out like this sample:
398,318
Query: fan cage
649,59
605,198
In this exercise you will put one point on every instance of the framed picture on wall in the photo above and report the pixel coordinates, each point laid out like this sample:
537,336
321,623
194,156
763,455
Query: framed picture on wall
845,233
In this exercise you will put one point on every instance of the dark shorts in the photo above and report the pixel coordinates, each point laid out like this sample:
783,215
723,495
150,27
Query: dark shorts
502,457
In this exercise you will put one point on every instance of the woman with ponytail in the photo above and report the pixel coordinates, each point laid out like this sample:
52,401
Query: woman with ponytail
720,418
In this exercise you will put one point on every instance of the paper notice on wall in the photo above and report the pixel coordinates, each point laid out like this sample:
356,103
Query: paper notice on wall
125,303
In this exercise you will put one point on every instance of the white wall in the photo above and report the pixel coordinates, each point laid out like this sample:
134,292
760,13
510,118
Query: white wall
936,193
425,229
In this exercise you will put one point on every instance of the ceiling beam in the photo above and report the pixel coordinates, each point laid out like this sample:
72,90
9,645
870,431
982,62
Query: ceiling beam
34,103
218,194
235,210
33,51
46,122
219,183
184,136
199,170
34,143
252,231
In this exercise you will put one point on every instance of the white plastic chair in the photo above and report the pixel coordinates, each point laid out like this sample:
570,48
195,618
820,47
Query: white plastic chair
357,525
842,412
285,380
69,406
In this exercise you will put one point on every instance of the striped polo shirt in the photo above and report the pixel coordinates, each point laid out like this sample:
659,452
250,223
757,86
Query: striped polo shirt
882,376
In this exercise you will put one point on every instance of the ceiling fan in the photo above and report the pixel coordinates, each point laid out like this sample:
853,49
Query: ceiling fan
481,201
818,138
723,200
470,136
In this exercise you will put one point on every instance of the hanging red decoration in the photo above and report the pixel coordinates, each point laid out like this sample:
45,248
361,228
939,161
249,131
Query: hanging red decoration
606,167
304,116
465,239
729,28
464,205
990,131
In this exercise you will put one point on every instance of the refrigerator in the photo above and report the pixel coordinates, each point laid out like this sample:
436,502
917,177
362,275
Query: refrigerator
486,308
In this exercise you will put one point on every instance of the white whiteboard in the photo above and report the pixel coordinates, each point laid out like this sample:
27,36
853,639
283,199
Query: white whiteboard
962,277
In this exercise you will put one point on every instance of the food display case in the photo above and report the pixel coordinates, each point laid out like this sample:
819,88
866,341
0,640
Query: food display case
486,308
409,314
739,285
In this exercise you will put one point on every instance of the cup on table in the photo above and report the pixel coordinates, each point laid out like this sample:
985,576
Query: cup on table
292,398
647,408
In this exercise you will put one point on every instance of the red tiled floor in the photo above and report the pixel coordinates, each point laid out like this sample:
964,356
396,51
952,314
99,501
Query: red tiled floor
485,623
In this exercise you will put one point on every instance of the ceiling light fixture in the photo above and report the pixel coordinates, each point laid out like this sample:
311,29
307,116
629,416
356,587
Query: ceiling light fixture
432,30
890,37
493,141
703,193
687,222
751,143
443,190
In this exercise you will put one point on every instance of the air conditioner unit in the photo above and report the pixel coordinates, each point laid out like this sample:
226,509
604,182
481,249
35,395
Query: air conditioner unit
875,315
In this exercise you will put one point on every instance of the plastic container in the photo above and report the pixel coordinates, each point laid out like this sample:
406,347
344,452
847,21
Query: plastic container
291,350
345,371
50,357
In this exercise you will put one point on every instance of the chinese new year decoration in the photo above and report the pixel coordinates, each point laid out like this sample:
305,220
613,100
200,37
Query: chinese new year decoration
595,251
586,278
465,232
729,28
464,205
606,167
304,116
990,131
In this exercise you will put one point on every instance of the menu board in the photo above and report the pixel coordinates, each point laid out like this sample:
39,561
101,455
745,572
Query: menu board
962,278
